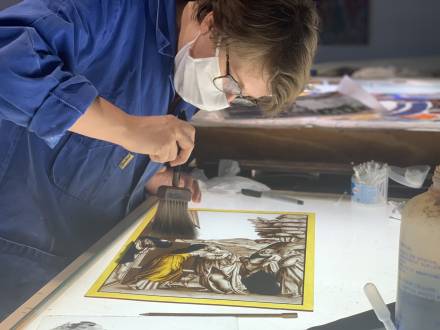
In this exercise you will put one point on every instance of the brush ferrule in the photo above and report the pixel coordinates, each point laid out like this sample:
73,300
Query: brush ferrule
174,193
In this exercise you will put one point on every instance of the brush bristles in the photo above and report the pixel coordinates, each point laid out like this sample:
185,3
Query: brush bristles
172,220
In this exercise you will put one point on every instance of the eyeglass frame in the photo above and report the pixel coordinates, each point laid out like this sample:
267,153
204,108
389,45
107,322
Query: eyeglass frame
229,76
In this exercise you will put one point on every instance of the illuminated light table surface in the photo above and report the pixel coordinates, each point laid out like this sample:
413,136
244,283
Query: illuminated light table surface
353,245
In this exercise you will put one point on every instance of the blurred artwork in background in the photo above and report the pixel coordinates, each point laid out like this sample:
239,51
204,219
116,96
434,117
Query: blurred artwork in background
344,22
332,104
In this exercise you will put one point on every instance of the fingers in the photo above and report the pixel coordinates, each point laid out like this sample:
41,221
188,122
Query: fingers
172,152
157,158
187,181
182,157
186,146
163,169
167,154
165,139
197,193
183,180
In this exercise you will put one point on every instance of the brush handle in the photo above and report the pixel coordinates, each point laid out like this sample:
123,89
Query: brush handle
176,176
172,110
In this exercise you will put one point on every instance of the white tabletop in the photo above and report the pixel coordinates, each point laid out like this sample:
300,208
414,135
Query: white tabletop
353,245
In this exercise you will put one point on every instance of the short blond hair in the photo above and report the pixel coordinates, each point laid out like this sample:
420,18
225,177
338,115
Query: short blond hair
281,34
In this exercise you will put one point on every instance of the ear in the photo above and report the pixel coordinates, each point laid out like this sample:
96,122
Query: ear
207,24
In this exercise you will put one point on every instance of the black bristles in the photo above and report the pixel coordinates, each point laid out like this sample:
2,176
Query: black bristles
172,220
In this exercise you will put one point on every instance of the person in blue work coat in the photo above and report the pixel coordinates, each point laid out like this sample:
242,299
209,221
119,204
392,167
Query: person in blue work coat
85,117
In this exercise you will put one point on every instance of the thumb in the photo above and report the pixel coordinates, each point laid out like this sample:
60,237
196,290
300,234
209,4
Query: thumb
162,169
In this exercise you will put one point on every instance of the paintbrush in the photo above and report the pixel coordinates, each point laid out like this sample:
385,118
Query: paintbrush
172,219
245,315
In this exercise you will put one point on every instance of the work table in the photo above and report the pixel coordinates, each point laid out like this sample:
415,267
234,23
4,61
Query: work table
353,245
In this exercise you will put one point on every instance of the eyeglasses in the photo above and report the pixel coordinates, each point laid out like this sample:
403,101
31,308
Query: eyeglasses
228,85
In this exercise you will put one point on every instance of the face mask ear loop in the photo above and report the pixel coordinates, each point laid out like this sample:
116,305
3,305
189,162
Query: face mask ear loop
196,37
192,42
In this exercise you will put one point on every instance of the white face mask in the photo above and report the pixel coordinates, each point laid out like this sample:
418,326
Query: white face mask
193,80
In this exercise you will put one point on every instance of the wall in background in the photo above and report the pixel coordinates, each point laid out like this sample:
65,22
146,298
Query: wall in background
398,28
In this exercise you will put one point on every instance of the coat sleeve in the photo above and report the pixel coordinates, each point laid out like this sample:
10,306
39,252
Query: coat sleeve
40,48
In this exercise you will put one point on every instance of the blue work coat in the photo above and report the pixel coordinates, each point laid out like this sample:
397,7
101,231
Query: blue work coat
60,191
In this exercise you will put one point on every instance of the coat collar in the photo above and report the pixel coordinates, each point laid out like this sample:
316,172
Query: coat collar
163,14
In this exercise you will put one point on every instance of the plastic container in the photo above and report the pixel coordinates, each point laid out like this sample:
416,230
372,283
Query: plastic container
369,194
413,176
418,292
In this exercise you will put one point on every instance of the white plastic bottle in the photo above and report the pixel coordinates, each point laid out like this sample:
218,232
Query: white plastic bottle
418,293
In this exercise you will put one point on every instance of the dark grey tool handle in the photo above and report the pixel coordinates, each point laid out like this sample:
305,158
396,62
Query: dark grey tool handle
176,176
172,109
